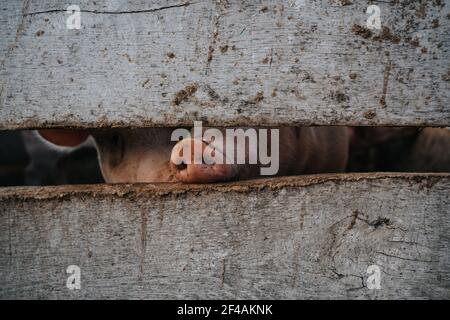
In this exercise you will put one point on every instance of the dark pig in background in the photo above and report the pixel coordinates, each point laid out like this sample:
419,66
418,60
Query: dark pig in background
144,155
27,159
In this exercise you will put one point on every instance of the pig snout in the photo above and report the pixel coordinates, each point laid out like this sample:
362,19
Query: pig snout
205,169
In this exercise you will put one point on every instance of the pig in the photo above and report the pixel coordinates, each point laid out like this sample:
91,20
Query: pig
150,155
400,149
147,155
430,152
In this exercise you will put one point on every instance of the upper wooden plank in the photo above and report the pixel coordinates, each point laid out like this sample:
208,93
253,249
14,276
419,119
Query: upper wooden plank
167,63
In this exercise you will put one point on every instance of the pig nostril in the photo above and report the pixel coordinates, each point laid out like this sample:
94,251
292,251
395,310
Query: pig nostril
181,166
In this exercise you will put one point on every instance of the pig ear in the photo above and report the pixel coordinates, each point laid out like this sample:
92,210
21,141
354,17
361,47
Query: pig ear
66,138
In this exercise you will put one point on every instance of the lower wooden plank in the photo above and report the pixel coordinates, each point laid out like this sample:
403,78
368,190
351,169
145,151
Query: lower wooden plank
294,238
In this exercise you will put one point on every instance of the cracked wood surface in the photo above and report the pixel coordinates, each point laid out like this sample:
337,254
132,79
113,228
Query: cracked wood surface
250,62
296,237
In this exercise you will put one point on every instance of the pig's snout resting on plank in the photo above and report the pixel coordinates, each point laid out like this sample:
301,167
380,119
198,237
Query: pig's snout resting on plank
150,155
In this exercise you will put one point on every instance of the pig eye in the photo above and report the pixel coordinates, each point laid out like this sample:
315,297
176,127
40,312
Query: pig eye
117,149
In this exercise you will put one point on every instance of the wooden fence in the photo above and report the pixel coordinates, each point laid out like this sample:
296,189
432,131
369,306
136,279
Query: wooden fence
227,62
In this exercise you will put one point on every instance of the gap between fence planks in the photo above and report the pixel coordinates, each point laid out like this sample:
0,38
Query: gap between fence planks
167,63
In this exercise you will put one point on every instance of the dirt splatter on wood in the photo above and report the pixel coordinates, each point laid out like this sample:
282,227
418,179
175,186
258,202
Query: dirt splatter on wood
339,97
341,3
149,190
184,94
127,56
224,48
145,82
212,93
369,114
274,93
355,215
210,54
364,32
414,42
259,97
387,72
435,23
386,34
421,11
446,77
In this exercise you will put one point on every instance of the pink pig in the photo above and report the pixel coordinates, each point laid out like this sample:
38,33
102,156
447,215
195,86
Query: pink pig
147,155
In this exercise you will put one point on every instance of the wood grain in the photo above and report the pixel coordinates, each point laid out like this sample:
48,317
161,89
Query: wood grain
293,238
251,63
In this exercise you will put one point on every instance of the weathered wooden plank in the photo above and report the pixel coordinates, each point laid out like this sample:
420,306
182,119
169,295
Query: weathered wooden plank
245,62
297,237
